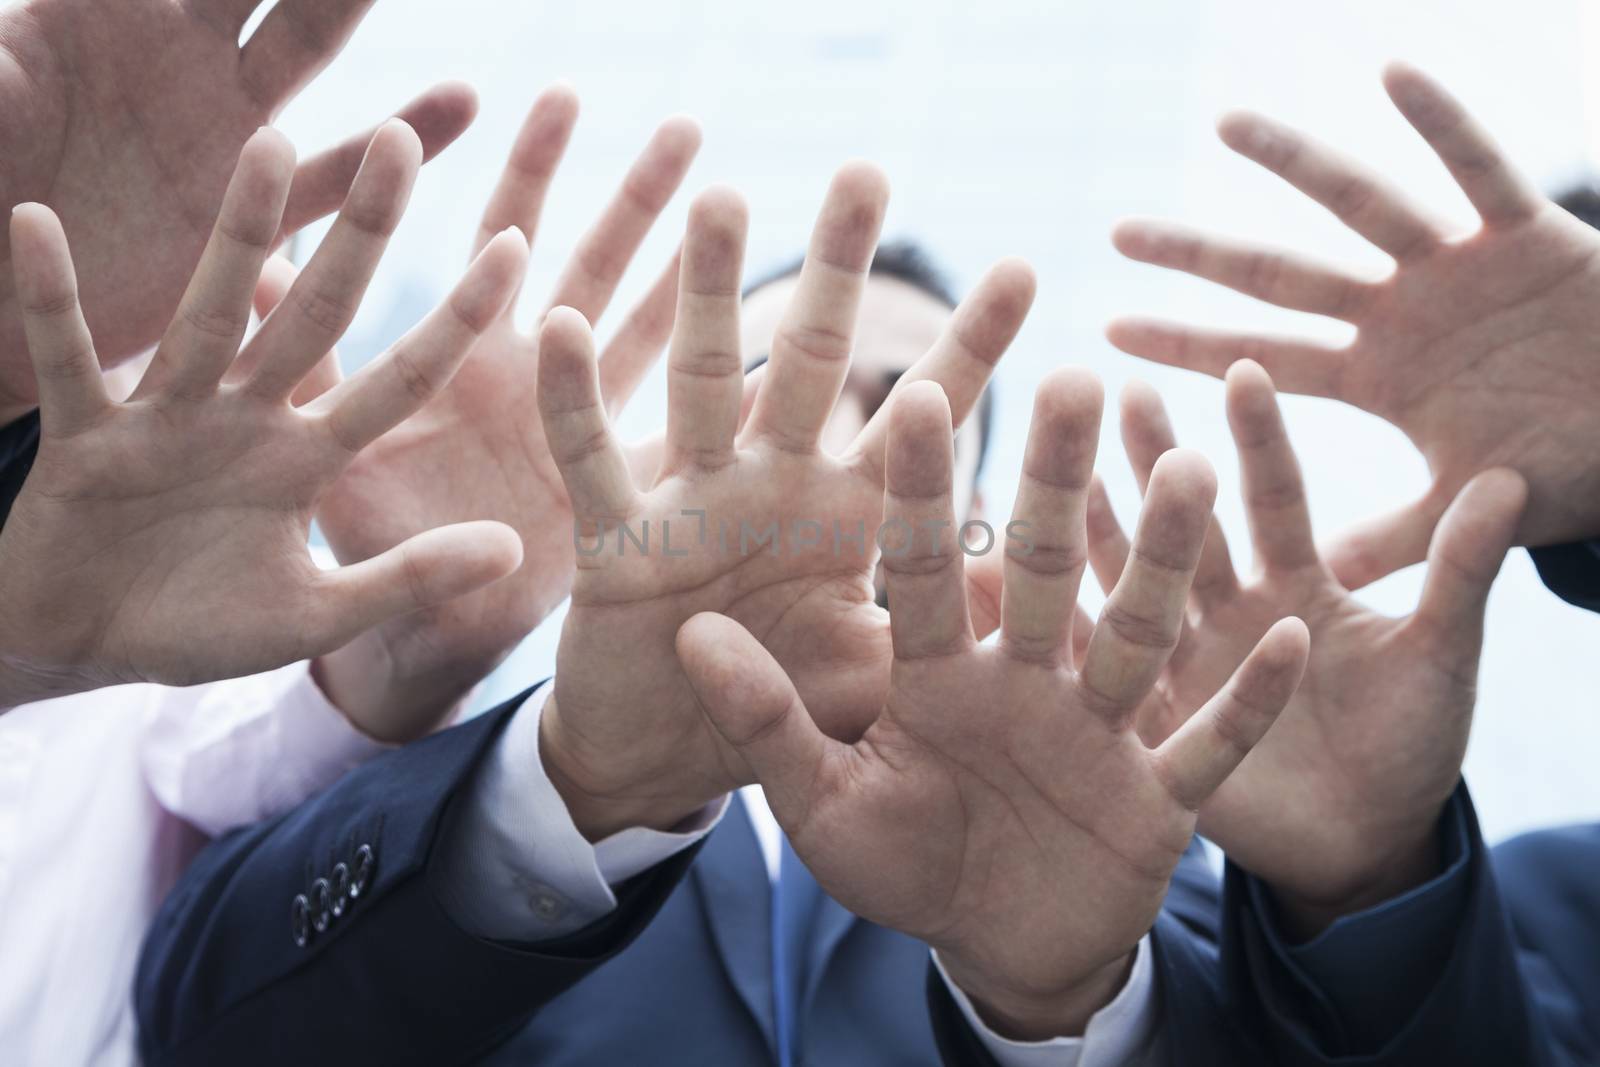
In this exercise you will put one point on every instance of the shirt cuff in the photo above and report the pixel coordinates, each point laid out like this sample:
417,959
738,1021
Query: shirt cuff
235,752
515,867
1117,1034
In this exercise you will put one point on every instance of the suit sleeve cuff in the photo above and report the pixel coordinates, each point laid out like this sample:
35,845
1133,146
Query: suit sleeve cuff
517,869
1116,1033
1571,571
1413,935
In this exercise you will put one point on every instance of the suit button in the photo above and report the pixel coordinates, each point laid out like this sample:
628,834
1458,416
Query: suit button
321,906
339,888
361,877
300,920
545,903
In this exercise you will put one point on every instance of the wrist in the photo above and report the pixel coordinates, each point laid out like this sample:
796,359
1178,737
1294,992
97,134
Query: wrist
1412,860
392,698
1038,1014
602,805
25,684
29,673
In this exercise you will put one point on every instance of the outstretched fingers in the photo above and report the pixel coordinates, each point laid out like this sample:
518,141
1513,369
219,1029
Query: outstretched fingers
72,394
1499,192
1143,617
1044,561
1468,548
1360,199
640,340
1274,494
1297,366
811,349
592,275
277,276
323,300
295,41
203,339
1278,277
413,371
963,359
705,374
922,561
1209,746
518,197
1108,543
585,451
321,183
1147,434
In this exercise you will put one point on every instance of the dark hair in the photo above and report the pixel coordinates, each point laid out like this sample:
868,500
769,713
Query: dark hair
1583,202
906,261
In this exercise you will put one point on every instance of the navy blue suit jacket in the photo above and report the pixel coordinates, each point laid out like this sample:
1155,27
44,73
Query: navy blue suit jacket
1496,962
680,973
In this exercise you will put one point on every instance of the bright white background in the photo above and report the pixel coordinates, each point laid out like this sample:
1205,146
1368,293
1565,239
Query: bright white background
1027,128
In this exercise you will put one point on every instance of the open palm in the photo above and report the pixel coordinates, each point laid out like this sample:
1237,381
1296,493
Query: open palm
1002,807
478,450
127,119
1480,348
1338,803
629,736
164,538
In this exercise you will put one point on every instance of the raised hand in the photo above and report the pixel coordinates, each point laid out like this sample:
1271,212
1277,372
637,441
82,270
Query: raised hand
127,119
478,451
1481,347
1337,808
623,737
1001,807
164,539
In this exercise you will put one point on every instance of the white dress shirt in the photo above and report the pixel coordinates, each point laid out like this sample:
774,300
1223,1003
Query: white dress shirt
104,799
517,869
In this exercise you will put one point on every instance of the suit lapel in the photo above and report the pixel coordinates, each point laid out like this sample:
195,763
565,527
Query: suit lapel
830,922
731,878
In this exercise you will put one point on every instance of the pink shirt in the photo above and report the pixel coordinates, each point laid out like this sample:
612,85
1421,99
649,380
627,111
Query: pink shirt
104,799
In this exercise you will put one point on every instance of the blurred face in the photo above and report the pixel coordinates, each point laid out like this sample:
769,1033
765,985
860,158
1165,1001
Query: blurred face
897,325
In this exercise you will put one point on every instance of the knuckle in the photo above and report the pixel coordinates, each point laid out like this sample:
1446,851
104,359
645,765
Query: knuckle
1141,629
326,310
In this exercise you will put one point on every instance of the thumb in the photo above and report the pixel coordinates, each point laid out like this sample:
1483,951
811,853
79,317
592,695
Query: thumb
1210,745
423,571
754,706
1471,543
1378,547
